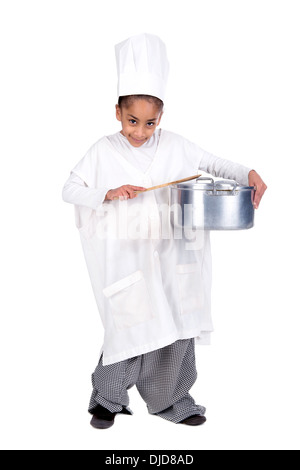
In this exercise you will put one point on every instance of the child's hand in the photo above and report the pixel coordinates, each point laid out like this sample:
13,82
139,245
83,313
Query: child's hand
260,187
123,192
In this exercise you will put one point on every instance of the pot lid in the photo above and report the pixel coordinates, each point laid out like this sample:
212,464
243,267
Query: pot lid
209,184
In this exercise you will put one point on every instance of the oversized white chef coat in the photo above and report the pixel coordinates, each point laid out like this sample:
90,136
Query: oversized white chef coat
152,288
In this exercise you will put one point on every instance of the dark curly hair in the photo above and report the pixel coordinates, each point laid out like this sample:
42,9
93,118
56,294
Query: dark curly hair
126,101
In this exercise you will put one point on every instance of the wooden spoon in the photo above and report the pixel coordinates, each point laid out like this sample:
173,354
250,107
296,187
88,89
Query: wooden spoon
169,184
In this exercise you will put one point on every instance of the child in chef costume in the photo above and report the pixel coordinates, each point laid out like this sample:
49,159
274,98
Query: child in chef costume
152,288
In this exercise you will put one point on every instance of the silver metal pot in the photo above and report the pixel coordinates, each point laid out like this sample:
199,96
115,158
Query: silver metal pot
212,205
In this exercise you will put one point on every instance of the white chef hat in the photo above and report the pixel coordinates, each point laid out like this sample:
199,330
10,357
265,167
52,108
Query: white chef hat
142,66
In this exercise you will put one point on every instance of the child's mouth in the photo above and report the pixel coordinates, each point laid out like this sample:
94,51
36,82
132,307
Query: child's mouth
138,141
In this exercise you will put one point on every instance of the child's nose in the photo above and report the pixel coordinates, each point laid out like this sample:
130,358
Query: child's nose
139,132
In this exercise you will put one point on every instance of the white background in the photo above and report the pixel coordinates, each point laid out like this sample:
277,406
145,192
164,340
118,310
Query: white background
233,89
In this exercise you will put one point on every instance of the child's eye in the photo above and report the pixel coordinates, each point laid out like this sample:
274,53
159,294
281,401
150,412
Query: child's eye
150,124
132,121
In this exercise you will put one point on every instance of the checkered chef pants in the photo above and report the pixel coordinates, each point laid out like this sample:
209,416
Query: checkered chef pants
162,377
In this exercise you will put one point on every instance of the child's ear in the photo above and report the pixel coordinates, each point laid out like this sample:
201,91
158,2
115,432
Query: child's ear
118,112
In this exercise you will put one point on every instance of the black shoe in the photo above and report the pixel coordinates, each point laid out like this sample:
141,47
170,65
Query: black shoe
101,423
195,420
103,418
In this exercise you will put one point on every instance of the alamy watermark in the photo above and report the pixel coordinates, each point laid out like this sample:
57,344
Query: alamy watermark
123,220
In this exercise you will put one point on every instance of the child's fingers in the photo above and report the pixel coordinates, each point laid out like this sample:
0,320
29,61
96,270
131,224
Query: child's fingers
127,192
259,185
124,193
260,190
134,190
131,190
120,194
138,188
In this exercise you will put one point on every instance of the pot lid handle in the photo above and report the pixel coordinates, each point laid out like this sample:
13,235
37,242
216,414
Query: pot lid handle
220,185
204,178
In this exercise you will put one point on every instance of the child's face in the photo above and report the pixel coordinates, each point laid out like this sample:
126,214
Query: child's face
139,121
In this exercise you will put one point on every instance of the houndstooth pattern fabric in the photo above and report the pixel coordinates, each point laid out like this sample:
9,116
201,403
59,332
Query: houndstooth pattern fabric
163,378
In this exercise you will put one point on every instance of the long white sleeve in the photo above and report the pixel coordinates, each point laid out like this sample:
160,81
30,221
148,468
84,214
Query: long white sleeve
76,192
224,168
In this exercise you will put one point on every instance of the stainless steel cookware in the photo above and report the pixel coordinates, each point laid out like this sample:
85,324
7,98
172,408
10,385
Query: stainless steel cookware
212,205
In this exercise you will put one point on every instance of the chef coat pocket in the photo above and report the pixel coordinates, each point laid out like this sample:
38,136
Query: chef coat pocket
129,300
189,288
